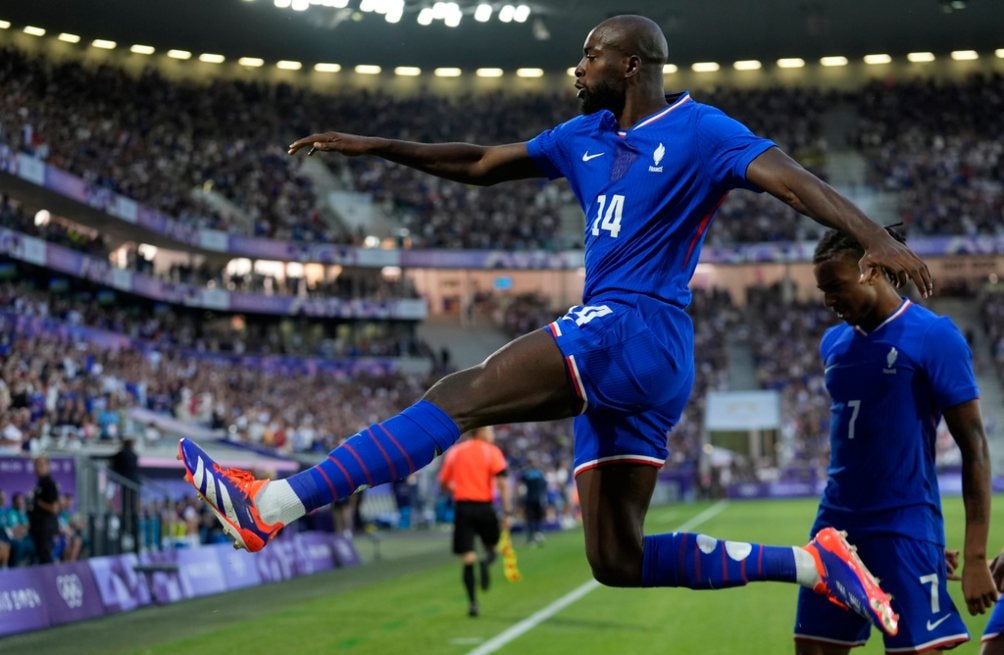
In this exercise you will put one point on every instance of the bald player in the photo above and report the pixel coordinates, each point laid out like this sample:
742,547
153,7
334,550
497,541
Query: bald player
649,170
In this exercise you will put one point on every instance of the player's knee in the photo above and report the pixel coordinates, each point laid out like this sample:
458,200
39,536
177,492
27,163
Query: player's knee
613,571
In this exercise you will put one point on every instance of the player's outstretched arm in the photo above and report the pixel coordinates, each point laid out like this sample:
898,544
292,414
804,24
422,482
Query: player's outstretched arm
783,177
966,425
462,162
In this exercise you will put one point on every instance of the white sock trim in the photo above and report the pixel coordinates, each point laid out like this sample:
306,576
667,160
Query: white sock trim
806,573
278,502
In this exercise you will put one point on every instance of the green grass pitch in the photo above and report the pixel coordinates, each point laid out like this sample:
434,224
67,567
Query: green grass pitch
414,603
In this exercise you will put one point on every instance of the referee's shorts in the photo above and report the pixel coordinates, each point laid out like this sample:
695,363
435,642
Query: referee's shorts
472,519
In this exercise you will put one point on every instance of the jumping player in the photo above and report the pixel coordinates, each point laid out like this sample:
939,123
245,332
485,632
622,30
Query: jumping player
649,171
892,369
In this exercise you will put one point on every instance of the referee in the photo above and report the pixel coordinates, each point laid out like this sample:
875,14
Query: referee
471,470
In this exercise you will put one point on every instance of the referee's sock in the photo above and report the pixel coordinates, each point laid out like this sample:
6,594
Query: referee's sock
697,561
469,581
383,452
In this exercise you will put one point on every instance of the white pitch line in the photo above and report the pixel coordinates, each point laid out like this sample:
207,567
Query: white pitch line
544,614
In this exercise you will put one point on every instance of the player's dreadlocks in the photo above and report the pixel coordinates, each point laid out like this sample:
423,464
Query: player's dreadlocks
835,242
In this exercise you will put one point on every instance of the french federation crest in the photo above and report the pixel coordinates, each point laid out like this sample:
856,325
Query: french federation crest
657,156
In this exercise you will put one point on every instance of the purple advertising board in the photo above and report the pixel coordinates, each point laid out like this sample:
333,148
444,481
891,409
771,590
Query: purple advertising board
69,591
22,602
201,573
18,473
238,566
122,589
344,550
162,579
316,552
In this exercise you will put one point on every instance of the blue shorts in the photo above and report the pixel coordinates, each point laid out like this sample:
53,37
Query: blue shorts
631,363
914,573
995,626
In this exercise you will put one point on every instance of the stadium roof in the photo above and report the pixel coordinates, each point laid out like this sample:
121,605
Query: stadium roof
698,30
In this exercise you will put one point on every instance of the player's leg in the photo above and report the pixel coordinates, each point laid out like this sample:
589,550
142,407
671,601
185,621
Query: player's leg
525,380
614,499
489,532
464,530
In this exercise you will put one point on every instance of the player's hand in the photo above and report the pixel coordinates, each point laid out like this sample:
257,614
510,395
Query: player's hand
887,255
978,586
346,144
952,564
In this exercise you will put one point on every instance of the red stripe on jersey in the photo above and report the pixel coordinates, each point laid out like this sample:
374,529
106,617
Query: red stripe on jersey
701,228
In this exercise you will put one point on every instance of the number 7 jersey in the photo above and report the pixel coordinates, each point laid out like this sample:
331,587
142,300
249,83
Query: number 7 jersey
888,390
649,192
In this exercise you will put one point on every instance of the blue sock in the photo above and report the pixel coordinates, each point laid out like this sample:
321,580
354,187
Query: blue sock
697,561
383,452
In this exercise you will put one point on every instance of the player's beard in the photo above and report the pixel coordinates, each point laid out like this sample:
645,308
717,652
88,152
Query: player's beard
602,96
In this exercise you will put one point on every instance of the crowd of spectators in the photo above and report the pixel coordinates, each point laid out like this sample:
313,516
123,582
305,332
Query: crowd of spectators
938,144
352,283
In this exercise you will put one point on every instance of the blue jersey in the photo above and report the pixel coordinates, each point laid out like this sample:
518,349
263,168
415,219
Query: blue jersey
648,193
888,390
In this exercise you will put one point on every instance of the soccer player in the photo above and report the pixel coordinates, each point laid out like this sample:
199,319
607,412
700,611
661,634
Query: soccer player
893,369
649,170
471,472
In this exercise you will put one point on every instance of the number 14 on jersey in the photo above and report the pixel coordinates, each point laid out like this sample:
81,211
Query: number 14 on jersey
609,217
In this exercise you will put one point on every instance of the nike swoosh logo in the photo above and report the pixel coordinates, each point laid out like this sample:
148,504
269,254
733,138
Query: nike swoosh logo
932,626
586,156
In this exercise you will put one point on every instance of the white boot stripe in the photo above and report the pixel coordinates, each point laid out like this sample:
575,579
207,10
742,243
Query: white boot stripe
228,506
211,490
200,474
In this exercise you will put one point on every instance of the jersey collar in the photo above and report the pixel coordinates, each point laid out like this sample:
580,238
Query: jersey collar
675,102
903,306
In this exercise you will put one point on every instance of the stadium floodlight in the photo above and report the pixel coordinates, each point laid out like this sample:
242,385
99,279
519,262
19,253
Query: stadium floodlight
494,72
282,4
877,59
920,57
104,44
669,69
521,14
179,54
447,71
791,62
211,58
4,24
571,71
705,67
367,69
33,31
999,52
425,16
395,14
833,60
300,5
453,20
965,55
507,13
408,71
140,49
327,68
747,65
529,72
251,62
69,38
483,13
288,65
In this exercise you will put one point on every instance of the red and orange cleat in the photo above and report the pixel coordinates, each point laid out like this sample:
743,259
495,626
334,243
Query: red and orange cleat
230,493
847,582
